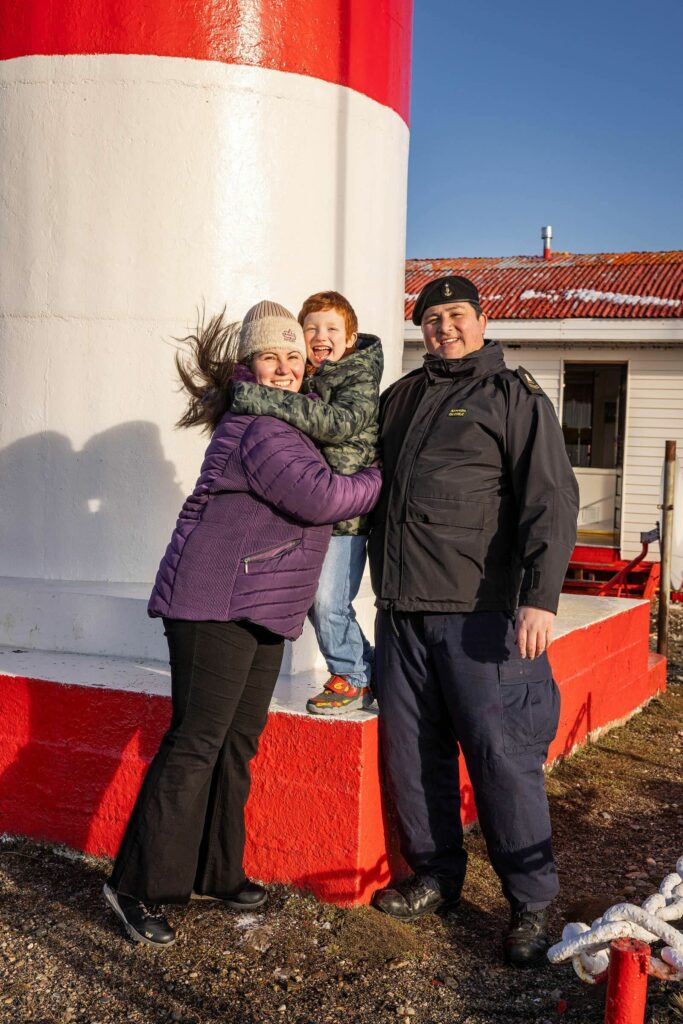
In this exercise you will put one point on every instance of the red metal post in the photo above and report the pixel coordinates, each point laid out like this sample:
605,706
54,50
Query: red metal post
627,982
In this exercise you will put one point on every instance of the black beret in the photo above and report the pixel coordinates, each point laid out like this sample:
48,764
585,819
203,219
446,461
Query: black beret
444,289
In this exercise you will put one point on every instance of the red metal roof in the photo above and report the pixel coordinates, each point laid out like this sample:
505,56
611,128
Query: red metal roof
609,285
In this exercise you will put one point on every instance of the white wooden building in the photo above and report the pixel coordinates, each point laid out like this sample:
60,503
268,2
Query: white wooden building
603,335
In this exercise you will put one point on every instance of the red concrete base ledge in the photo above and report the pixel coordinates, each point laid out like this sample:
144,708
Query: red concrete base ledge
77,732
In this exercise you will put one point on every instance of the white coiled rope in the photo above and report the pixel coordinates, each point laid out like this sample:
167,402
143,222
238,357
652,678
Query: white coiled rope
588,947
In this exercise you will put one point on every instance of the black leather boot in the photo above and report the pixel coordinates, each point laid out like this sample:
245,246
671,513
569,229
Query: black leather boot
417,895
526,940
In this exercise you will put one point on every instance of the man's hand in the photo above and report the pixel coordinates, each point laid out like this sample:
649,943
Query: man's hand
533,631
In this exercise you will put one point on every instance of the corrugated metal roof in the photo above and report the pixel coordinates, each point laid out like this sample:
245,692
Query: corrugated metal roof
612,285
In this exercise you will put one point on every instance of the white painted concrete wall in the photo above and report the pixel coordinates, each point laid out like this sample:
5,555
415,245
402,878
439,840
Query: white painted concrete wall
133,189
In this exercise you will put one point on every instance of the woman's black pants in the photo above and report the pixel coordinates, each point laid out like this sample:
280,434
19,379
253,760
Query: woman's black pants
186,831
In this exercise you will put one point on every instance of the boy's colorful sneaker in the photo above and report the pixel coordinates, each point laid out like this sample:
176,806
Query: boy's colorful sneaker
338,697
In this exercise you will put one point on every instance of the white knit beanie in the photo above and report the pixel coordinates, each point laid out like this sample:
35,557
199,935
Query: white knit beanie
268,326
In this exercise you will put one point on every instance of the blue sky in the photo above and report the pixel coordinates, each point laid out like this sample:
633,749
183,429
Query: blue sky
534,113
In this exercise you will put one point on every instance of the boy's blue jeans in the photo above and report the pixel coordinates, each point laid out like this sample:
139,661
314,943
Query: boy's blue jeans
340,638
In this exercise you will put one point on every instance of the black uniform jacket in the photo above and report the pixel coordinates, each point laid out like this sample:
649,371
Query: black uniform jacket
479,498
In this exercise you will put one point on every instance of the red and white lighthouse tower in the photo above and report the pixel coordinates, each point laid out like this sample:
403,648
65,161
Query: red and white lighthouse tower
160,155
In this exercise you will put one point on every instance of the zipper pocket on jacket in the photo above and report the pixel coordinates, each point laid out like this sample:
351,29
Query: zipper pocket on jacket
263,556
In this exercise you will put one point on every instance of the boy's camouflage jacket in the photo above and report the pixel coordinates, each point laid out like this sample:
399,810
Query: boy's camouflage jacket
343,421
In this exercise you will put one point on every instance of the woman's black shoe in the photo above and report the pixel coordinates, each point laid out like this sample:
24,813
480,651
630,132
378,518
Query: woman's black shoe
416,896
250,896
143,923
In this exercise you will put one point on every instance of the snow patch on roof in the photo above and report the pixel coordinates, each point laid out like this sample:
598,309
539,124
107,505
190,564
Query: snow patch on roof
530,293
588,295
591,295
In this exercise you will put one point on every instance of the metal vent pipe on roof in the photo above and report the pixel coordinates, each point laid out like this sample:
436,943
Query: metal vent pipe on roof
547,236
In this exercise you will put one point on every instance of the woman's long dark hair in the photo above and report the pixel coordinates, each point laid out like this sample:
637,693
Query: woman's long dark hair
205,370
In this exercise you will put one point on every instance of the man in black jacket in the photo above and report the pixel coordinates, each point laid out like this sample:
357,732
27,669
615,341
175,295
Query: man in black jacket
468,551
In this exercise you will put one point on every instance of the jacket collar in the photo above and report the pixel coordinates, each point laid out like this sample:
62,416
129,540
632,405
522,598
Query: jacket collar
368,354
482,363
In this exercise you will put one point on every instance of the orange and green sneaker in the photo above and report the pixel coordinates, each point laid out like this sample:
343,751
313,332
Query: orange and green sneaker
338,697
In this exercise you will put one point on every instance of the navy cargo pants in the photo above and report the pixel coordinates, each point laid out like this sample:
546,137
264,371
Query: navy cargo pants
457,681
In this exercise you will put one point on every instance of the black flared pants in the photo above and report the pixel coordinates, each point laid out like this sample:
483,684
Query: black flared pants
186,830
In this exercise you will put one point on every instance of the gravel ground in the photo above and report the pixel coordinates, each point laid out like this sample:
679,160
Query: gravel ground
618,821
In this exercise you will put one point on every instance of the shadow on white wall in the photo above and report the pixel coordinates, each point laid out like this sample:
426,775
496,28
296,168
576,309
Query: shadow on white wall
104,512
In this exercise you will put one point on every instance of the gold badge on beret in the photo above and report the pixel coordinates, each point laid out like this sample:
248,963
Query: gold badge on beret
446,289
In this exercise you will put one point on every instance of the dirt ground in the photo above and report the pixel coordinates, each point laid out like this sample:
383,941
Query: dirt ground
617,812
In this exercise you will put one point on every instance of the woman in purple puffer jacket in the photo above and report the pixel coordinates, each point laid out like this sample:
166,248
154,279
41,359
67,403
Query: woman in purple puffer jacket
238,577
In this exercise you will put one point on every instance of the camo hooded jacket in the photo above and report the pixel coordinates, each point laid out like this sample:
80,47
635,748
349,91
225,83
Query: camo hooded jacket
344,419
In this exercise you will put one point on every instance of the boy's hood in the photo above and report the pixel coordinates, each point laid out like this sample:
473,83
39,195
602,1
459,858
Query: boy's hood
368,356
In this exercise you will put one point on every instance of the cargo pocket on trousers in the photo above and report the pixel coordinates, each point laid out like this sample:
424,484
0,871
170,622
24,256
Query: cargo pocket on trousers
530,706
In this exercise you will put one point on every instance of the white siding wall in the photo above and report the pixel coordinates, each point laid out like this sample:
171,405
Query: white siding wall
412,356
654,414
543,364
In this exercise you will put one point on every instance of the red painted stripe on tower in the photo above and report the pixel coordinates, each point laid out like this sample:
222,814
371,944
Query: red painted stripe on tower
356,43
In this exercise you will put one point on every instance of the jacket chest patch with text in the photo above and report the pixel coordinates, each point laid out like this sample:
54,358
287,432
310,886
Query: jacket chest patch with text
457,412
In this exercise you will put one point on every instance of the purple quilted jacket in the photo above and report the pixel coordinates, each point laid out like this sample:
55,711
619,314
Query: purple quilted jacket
251,538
